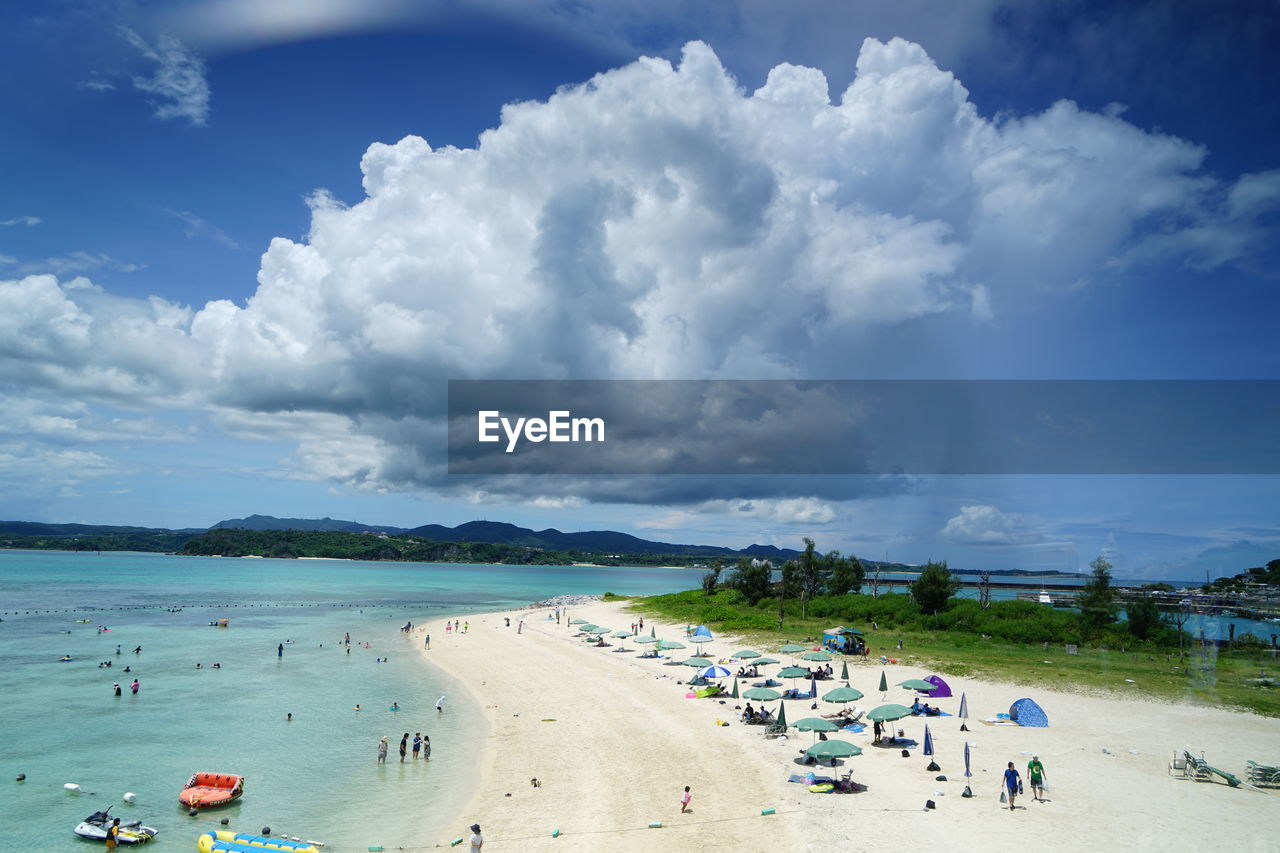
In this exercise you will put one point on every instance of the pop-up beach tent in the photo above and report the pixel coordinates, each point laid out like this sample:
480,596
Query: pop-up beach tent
1025,712
941,689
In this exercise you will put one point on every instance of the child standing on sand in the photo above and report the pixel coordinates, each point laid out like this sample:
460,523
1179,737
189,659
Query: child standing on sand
684,800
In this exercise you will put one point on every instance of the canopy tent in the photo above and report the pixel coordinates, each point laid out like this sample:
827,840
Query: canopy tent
844,640
1025,712
943,689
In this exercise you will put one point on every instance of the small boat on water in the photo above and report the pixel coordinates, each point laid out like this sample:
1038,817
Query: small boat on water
1044,597
224,841
206,790
220,623
95,827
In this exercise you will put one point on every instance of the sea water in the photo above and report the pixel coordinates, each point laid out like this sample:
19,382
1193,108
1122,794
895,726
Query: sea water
315,777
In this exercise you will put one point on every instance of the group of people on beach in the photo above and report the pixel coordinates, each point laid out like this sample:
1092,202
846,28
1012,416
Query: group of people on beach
1013,782
421,745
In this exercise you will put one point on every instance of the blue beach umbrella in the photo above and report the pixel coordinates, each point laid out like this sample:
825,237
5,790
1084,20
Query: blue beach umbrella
714,672
968,792
928,741
813,687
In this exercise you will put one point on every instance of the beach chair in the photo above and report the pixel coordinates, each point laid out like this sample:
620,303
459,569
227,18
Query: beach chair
1200,770
775,729
1265,775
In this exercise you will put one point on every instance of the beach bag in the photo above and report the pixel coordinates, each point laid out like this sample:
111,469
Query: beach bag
1019,788
1003,799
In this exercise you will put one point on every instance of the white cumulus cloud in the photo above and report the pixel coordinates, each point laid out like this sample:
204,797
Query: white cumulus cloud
986,525
657,221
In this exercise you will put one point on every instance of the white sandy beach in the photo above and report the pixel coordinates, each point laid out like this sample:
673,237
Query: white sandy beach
613,740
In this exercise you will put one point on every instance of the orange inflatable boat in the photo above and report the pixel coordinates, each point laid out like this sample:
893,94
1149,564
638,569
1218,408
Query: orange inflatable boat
205,790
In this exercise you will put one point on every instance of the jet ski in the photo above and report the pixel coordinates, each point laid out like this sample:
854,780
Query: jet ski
95,827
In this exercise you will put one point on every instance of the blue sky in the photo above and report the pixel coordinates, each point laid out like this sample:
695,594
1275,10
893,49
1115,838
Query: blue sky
242,252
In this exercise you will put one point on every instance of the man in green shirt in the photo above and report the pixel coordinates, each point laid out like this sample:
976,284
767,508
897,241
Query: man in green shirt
1035,773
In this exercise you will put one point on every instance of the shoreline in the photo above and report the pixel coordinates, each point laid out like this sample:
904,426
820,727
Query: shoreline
613,739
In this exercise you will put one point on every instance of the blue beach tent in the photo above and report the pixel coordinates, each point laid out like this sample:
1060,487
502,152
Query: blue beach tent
1025,712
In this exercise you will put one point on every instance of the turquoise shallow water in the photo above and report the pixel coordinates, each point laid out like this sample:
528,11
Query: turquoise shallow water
315,777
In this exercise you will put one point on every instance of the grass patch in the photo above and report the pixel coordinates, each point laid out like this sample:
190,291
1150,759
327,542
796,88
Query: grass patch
1243,678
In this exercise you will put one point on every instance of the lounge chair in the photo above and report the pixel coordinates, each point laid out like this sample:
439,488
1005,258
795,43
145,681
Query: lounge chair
1263,774
1200,770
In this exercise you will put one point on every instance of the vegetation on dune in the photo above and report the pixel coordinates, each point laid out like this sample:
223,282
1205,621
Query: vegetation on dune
1021,641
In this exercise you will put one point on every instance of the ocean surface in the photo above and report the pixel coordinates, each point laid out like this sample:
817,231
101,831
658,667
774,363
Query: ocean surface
315,777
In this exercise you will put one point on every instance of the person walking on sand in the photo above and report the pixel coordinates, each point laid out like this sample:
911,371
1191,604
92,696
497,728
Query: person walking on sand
1035,774
1012,783
477,840
520,627
404,746
426,641
417,744
382,749
684,800
440,705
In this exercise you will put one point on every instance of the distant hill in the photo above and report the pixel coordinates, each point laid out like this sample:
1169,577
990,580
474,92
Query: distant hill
268,522
38,528
501,533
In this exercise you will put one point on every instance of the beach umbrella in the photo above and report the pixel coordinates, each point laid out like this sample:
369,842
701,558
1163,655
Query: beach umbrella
587,627
791,648
917,684
793,672
652,630
735,689
621,635
698,662
843,694
928,741
746,654
888,713
598,630
816,656
699,639
670,644
815,725
963,714
884,683
764,662
832,749
813,687
782,713
761,694
714,672
578,622
844,671
968,792
646,640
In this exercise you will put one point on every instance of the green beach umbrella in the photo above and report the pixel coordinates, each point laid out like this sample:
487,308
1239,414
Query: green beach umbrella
735,689
833,749
794,672
761,694
815,656
646,640
844,671
814,724
746,654
888,713
918,684
791,648
842,694
697,661
884,683
764,662
598,630
621,635
587,627
782,713
670,644
578,622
